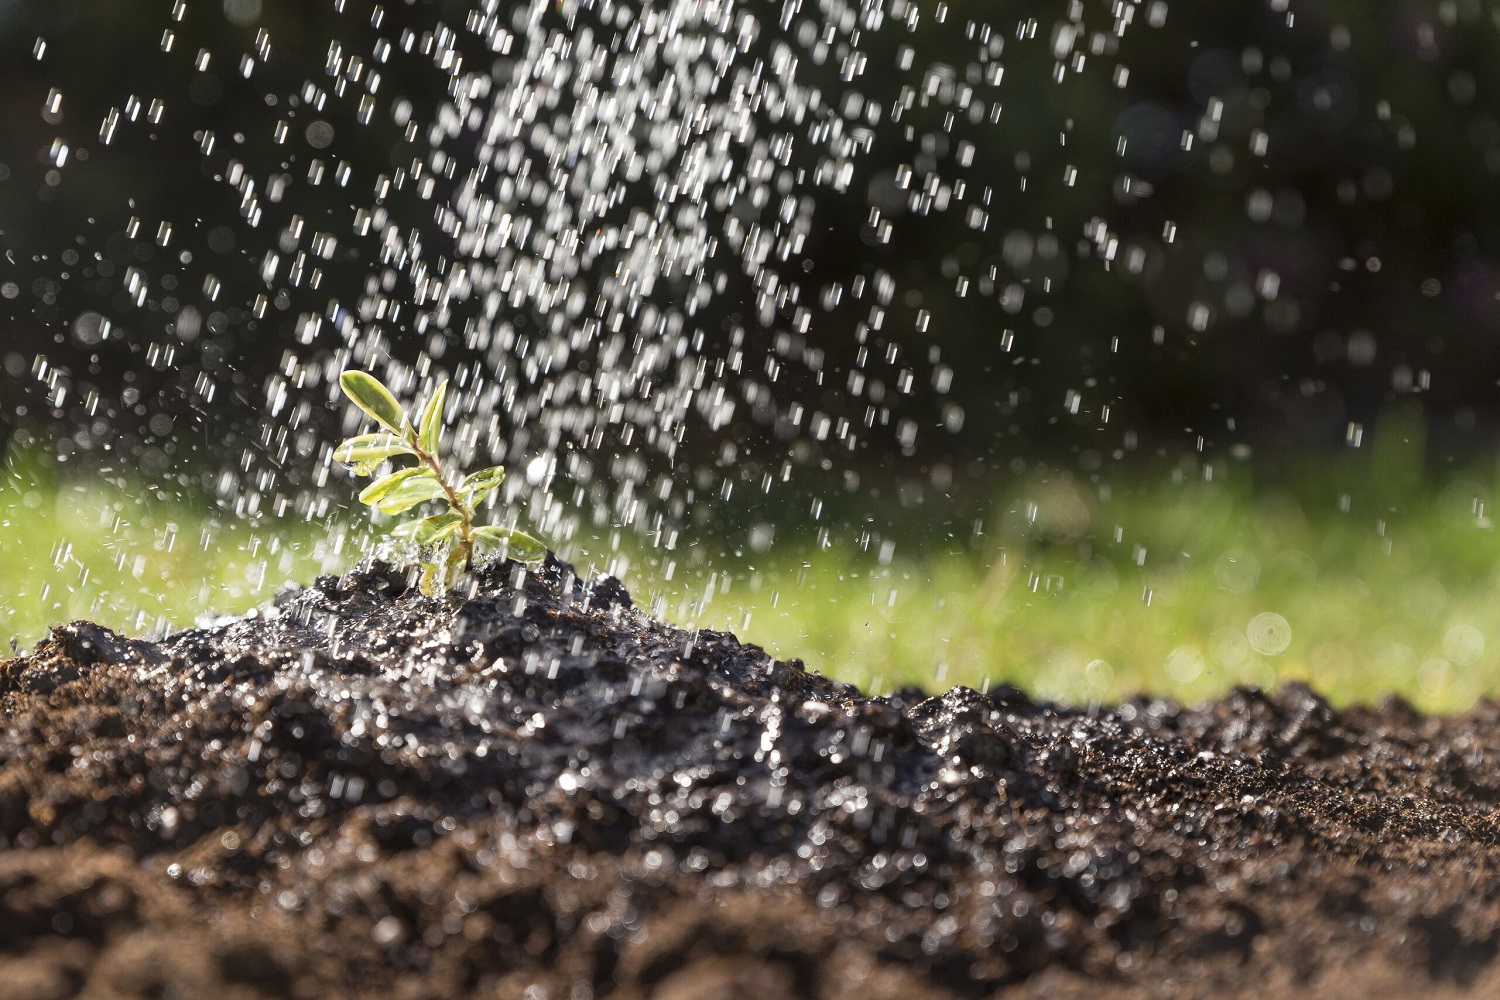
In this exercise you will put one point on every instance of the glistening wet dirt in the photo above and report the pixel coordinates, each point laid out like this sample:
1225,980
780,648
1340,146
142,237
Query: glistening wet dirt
539,791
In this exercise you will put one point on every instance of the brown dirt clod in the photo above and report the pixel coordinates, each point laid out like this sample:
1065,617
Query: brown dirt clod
538,791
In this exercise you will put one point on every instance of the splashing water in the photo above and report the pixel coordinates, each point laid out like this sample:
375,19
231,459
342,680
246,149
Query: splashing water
625,231
706,275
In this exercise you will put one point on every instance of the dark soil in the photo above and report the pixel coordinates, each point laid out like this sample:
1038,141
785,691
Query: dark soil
541,792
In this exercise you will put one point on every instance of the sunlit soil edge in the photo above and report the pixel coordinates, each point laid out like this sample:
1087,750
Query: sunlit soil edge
1075,593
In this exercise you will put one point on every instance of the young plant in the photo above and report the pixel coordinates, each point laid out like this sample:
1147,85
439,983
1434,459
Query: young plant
452,537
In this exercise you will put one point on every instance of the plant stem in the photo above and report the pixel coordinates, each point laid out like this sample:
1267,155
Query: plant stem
455,502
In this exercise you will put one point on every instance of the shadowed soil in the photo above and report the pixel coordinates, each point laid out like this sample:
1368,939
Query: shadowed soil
532,789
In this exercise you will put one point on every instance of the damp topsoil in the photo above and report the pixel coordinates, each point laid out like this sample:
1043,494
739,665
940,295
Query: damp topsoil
535,790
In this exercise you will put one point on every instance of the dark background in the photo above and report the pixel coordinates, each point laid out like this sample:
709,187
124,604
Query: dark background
1346,271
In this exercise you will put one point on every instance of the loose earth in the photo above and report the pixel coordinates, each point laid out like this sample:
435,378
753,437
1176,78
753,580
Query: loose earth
530,788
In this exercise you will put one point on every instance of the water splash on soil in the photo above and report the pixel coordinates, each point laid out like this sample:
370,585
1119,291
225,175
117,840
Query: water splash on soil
538,780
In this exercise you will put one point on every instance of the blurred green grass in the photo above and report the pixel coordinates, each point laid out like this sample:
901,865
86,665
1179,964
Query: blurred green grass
138,559
1185,591
1360,576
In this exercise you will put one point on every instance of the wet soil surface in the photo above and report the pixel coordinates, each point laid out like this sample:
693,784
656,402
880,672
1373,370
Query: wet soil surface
539,791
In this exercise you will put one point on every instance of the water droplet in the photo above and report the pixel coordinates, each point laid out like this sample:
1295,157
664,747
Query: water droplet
1269,633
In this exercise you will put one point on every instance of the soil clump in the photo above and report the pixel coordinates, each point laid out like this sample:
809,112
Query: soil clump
530,788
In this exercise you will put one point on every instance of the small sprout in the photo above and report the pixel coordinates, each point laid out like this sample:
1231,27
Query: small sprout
452,538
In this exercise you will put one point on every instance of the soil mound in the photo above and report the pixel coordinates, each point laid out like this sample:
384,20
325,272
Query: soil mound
538,791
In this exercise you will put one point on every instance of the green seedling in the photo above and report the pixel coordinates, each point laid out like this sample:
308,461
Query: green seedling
452,538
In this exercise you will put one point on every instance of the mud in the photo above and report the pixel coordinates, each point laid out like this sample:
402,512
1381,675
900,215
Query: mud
539,791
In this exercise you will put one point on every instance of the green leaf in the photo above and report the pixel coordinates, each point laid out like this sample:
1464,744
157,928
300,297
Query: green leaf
481,484
386,485
431,420
367,393
438,577
409,493
429,530
517,544
367,450
456,563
